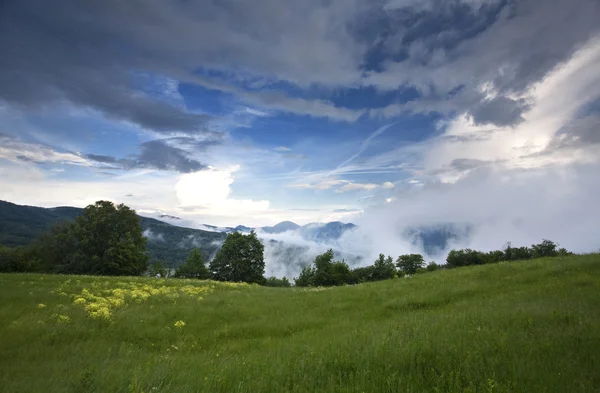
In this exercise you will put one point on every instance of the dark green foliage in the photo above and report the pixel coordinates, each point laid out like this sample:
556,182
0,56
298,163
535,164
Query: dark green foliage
410,263
18,259
56,249
516,253
563,252
546,248
240,259
277,282
466,257
341,273
494,256
383,268
306,277
157,268
106,240
362,274
109,241
433,267
324,270
194,267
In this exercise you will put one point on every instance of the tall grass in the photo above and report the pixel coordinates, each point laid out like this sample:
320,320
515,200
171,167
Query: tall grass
510,327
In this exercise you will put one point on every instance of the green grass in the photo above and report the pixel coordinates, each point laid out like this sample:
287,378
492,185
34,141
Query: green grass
511,327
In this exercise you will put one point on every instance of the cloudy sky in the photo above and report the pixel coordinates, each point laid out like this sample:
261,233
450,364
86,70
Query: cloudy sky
382,112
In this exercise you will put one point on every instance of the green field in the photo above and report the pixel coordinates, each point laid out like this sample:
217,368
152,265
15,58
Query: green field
510,327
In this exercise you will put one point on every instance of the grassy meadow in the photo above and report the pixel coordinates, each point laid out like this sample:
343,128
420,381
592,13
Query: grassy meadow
529,326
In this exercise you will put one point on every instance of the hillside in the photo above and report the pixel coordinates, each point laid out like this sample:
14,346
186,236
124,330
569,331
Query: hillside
21,225
509,327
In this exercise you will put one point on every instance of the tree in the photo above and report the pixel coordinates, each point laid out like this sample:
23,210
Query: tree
18,259
466,257
193,267
432,267
306,277
410,263
362,274
546,248
157,268
277,282
383,268
240,259
563,252
109,241
56,250
494,256
341,273
324,270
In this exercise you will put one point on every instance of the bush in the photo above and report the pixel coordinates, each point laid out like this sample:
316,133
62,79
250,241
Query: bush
193,267
277,282
432,267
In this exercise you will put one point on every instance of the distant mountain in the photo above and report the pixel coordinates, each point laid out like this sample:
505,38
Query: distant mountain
436,239
283,226
21,225
323,233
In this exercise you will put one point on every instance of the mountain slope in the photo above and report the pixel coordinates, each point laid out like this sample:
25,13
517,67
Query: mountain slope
21,225
527,326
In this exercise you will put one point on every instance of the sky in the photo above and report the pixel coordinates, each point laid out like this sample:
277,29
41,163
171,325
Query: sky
387,113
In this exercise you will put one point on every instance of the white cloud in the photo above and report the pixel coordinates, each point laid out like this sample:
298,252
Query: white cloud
350,186
282,148
510,184
17,151
338,185
320,185
210,190
388,184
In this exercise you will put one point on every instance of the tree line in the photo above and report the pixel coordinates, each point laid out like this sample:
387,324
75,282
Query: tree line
327,272
107,240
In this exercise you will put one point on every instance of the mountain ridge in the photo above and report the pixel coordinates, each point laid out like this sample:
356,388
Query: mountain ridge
20,225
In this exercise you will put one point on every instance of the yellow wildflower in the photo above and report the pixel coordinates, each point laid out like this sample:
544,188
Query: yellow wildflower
102,313
41,305
62,318
179,324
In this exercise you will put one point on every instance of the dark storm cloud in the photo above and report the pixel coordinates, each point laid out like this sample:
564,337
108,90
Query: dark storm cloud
157,154
501,111
67,51
520,43
463,164
87,52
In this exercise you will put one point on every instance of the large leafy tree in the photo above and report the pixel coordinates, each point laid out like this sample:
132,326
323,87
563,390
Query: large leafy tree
324,275
109,240
383,268
193,267
240,259
410,263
